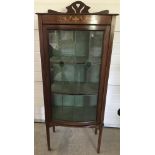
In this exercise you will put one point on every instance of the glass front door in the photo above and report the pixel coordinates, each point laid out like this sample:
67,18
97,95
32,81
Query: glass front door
75,60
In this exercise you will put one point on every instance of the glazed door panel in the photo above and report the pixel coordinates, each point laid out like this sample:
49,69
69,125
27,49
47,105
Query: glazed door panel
75,58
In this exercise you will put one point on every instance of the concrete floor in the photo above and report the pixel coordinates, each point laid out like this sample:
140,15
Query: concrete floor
76,141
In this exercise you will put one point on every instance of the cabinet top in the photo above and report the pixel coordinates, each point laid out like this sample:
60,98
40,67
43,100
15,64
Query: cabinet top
77,8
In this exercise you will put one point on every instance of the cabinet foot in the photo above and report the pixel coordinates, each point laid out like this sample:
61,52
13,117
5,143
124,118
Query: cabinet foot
49,149
99,138
53,128
48,137
95,131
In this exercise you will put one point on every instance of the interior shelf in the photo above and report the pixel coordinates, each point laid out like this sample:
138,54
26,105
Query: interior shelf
75,88
81,114
75,60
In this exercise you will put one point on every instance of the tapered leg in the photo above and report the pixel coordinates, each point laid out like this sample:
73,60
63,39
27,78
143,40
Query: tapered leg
48,137
99,139
53,128
95,131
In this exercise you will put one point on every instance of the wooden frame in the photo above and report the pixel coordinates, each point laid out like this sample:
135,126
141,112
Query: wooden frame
76,20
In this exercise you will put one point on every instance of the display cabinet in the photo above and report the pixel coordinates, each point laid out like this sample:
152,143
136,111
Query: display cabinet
75,50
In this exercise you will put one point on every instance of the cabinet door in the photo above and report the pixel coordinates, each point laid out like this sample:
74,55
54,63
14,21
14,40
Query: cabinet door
75,61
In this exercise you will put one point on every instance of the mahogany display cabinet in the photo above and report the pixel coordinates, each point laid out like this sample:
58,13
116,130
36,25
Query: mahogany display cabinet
75,50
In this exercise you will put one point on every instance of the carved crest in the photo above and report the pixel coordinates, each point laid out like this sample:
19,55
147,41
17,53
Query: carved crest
78,7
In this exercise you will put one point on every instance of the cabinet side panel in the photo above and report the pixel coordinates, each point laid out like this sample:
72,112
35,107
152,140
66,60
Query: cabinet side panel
46,85
107,67
102,72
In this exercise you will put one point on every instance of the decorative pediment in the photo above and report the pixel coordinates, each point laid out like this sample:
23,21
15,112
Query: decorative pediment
77,7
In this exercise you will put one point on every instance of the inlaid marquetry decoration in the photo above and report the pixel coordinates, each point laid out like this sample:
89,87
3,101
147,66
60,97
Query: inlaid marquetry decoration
72,18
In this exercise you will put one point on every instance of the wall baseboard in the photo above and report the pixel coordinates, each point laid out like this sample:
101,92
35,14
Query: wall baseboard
39,121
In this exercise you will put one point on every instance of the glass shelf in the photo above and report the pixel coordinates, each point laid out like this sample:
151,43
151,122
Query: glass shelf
75,88
81,114
75,60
